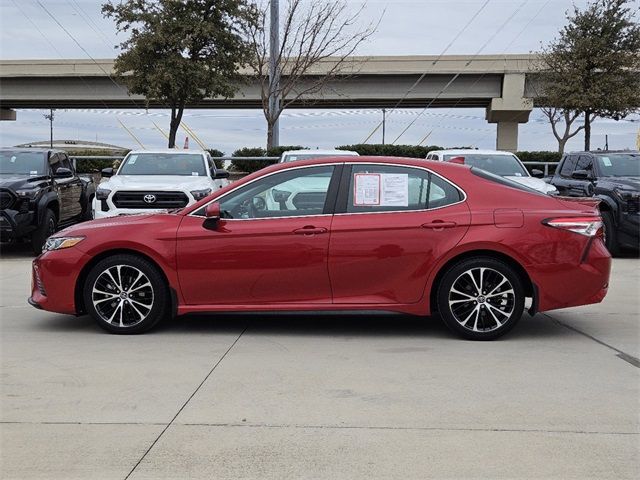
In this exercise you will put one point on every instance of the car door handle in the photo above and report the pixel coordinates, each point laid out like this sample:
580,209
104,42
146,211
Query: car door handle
438,225
309,230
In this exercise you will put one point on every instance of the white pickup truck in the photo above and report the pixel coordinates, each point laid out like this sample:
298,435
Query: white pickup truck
150,181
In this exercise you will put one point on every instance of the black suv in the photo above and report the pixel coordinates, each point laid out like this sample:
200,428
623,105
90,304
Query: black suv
614,178
39,192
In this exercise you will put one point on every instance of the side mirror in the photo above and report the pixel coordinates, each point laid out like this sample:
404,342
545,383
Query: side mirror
63,173
581,175
212,212
107,172
536,172
458,160
219,173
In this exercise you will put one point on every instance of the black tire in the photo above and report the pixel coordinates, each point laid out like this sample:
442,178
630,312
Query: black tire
88,210
46,228
123,301
493,311
610,234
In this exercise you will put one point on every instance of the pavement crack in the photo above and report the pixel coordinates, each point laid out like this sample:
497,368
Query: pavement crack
619,353
186,402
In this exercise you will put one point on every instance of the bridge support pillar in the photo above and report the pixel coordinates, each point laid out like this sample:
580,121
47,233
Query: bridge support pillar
7,114
509,110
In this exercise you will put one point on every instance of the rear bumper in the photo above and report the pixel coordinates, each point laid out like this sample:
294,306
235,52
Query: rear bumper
570,285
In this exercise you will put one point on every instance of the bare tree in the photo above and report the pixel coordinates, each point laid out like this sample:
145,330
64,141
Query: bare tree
311,32
555,116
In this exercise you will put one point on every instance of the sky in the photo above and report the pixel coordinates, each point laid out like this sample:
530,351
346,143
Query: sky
407,27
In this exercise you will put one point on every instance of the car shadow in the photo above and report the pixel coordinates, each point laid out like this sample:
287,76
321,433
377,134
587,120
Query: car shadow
16,250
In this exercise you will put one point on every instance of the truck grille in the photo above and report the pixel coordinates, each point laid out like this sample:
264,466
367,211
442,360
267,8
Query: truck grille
162,199
6,199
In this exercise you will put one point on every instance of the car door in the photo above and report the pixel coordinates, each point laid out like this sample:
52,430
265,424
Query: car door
269,247
74,188
391,224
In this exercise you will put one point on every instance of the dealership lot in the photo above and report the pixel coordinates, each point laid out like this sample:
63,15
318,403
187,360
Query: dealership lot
319,396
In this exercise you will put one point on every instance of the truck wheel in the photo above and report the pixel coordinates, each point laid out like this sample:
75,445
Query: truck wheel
46,228
610,234
126,294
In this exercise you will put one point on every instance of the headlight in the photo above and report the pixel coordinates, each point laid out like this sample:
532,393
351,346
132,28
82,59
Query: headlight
200,194
31,193
58,243
102,193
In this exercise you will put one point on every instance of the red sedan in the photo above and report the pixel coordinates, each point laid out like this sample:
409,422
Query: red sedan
392,234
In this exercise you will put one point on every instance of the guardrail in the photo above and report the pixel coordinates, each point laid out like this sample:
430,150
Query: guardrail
545,165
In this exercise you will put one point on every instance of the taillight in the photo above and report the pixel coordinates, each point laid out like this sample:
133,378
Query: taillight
588,226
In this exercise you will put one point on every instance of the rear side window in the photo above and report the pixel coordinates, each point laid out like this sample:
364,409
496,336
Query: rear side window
384,188
568,166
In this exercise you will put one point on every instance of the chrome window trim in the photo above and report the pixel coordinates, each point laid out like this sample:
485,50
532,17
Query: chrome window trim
464,194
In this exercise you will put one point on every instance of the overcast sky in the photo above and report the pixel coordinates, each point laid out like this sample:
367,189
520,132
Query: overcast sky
408,27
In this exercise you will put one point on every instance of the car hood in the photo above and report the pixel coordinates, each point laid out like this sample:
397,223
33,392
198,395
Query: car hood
623,183
535,183
156,182
94,226
14,182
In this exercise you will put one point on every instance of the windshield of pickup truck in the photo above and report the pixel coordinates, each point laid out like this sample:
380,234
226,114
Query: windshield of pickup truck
619,164
22,163
188,164
502,165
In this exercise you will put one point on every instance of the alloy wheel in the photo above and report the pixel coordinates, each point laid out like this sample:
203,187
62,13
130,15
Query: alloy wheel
122,295
482,299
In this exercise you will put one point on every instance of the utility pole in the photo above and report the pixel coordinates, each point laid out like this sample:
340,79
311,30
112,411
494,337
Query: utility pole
384,122
606,142
274,68
50,118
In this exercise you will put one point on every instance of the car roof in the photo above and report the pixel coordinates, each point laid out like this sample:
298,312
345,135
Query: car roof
463,151
344,153
168,150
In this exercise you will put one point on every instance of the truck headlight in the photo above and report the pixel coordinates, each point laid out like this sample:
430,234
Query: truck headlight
200,194
102,193
58,243
30,193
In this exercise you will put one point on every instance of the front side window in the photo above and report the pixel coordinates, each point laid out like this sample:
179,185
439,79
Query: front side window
619,164
584,163
568,165
383,188
297,192
187,164
22,163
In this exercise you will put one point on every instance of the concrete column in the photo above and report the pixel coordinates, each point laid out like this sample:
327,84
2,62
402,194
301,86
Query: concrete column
7,114
507,136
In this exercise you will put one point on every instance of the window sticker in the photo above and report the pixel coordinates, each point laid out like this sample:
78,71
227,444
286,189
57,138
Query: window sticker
291,159
132,159
366,189
606,161
33,172
395,189
195,174
13,159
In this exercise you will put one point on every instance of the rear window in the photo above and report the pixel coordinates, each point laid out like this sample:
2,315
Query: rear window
503,181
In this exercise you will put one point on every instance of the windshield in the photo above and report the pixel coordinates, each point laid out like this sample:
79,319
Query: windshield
502,165
23,163
188,164
619,164
310,156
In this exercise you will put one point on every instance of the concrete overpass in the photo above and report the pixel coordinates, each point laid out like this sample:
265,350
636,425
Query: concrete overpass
497,83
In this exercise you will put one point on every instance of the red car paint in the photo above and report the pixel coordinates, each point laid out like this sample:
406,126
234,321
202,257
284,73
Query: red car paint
386,261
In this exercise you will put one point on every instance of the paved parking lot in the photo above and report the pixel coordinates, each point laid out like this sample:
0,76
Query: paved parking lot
317,396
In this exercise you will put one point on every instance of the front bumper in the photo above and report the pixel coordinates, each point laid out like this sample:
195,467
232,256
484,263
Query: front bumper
54,276
15,224
629,230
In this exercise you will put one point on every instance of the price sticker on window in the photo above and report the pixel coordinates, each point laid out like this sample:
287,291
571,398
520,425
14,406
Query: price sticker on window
366,188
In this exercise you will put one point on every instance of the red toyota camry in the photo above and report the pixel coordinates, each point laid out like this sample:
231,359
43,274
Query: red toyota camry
392,234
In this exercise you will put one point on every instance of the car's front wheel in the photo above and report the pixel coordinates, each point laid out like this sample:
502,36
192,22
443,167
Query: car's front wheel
126,294
610,236
481,298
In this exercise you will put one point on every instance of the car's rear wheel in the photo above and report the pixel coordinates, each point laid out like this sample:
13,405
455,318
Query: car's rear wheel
609,233
481,298
126,294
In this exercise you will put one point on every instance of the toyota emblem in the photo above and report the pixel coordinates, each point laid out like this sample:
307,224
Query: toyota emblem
149,198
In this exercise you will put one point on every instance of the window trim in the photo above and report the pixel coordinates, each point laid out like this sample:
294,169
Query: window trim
343,195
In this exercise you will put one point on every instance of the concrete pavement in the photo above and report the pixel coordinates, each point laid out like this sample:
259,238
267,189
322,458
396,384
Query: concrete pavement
317,396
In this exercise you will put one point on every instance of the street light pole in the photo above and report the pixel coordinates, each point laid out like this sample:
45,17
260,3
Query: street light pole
274,68
384,122
50,118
